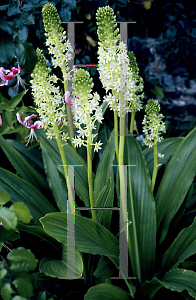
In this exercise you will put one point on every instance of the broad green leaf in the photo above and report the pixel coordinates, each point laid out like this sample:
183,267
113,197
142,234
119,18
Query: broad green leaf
175,183
34,158
56,182
81,177
158,91
179,280
167,147
6,291
19,298
3,273
22,191
8,218
90,237
16,99
8,118
104,182
21,165
106,291
5,106
4,197
22,260
22,212
141,212
8,235
24,287
38,231
104,269
60,268
182,247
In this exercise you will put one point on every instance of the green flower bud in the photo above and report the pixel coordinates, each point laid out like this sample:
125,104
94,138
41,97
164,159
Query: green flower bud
51,18
132,63
106,22
56,41
82,82
152,107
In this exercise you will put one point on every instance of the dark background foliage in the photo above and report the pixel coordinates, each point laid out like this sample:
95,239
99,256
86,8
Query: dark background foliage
163,39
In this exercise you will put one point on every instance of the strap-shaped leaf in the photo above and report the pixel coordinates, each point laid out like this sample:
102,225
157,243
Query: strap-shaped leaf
22,167
167,147
73,158
20,190
182,247
104,182
56,182
175,183
90,237
141,212
106,291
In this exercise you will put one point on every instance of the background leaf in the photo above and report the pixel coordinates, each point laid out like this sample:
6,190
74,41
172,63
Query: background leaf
22,259
175,183
20,190
106,291
58,268
141,212
22,212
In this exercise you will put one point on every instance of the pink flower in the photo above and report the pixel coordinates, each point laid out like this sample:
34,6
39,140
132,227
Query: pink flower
27,124
66,99
8,75
0,121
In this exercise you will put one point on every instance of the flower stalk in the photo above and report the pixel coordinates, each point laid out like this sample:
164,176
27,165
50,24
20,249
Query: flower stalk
86,112
153,127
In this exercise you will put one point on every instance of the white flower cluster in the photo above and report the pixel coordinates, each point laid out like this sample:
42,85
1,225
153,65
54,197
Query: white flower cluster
58,45
114,68
86,109
82,111
47,97
153,124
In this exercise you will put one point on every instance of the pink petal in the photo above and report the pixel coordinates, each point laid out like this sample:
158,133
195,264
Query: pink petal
0,120
15,71
20,121
4,83
37,125
29,119
66,99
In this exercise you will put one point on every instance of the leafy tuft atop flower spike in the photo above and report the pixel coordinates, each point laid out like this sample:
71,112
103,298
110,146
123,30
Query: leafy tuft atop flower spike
153,124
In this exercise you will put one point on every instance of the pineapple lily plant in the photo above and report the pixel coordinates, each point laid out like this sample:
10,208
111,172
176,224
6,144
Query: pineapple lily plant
67,196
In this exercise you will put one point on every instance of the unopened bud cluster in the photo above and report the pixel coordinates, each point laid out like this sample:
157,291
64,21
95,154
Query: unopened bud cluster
86,109
58,45
153,124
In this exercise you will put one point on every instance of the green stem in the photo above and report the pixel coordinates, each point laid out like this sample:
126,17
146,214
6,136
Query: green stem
69,114
121,161
90,175
116,135
64,161
132,119
154,175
